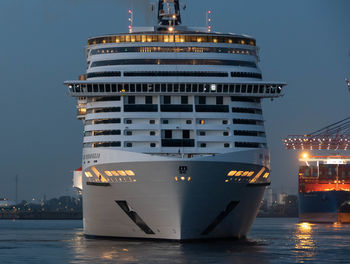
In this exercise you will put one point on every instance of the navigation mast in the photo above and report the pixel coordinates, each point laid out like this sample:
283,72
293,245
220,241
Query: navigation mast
169,13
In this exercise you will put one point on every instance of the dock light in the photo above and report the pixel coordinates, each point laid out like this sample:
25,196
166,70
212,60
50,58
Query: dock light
305,155
171,29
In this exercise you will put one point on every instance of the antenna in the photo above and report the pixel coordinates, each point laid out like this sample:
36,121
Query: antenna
131,20
208,20
16,189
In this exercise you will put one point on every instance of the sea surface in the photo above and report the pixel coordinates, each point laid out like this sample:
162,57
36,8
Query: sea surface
271,240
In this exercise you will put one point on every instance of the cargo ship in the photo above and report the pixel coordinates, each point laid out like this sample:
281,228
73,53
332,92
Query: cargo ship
324,189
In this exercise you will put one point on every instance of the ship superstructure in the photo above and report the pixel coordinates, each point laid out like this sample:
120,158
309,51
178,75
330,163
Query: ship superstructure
174,140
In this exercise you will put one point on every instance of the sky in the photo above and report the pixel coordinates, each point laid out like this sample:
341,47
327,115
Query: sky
303,43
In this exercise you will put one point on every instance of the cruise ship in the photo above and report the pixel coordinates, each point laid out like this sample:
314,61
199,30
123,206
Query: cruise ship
174,141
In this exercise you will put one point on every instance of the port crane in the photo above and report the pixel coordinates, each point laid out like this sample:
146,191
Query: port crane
333,137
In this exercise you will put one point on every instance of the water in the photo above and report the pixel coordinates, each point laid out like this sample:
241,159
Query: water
275,240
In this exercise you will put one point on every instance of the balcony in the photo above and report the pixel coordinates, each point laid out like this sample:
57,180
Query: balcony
177,142
176,108
141,108
212,108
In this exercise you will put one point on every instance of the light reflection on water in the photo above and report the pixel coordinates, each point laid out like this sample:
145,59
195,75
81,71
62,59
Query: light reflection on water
304,241
270,241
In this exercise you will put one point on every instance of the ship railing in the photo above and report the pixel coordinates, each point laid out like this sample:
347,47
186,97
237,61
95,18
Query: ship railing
262,90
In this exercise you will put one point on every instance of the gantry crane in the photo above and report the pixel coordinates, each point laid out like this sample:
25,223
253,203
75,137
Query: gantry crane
333,137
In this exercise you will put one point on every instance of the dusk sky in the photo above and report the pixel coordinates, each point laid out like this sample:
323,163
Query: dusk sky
303,43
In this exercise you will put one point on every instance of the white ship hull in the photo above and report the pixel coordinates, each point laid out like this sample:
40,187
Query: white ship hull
155,206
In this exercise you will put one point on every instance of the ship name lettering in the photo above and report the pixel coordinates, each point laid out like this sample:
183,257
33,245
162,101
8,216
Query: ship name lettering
91,156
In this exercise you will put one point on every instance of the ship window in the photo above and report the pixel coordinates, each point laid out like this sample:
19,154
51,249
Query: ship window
105,132
148,100
106,144
152,121
219,100
110,98
152,145
184,99
247,145
108,173
202,133
173,62
129,172
224,122
107,121
231,173
128,133
202,122
121,173
246,133
152,133
165,122
167,134
266,175
167,100
227,145
247,121
128,121
182,87
245,173
88,174
201,99
157,88
185,134
163,87
188,122
169,38
203,145
239,173
115,173
225,133
250,173
131,99
128,144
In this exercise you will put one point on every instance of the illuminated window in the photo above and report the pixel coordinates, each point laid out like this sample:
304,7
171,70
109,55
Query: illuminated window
121,173
239,173
231,173
176,178
88,174
250,173
266,175
202,122
114,173
188,178
245,173
108,173
130,172
182,178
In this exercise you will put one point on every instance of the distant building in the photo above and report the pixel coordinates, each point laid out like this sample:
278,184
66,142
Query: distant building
6,203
